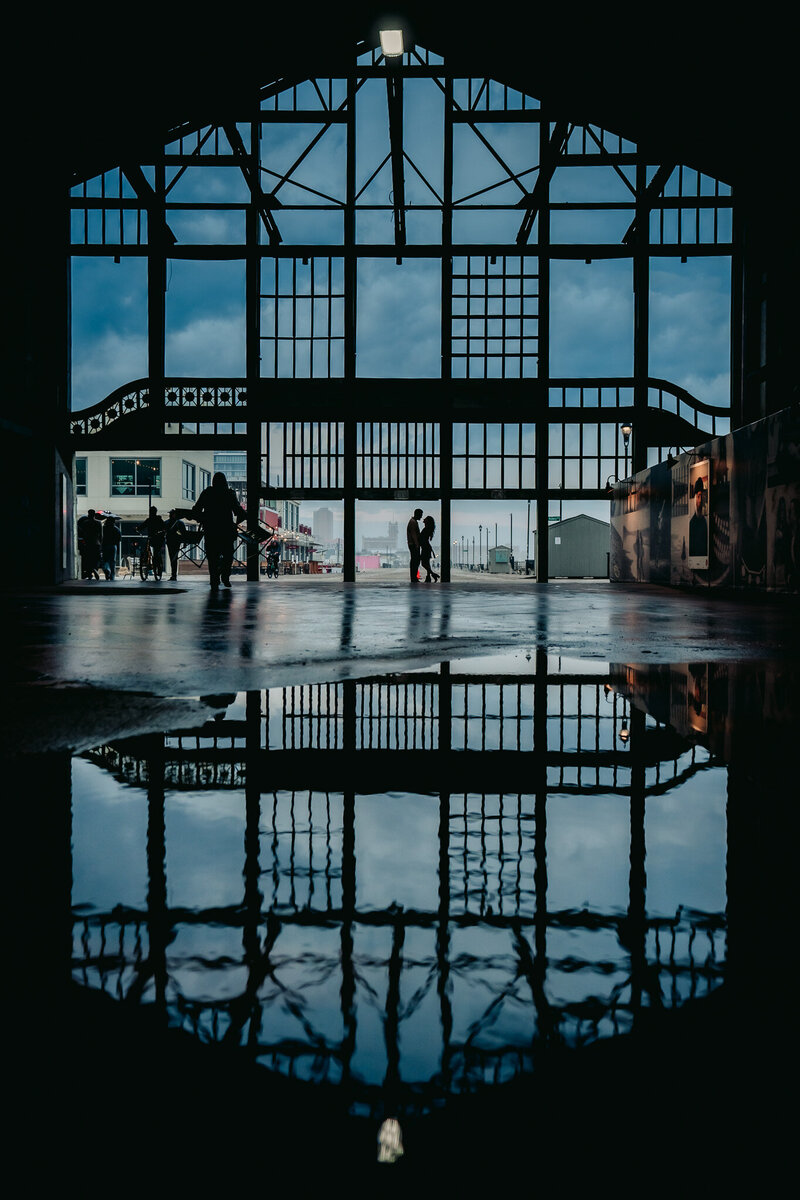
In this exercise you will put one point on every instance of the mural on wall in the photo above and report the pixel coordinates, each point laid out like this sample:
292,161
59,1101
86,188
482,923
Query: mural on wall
640,537
783,502
724,515
750,504
720,570
698,522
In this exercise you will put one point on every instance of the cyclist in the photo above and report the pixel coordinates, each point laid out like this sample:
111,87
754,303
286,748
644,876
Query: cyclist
219,512
156,529
273,553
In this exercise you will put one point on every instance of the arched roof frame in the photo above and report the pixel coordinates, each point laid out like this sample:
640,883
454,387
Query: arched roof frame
343,412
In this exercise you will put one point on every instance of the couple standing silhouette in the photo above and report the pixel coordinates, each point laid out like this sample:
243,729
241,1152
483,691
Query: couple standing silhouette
420,550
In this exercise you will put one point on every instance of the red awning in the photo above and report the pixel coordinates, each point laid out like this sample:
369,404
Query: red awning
269,518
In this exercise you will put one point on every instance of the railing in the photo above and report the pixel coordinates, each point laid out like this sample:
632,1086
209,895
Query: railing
185,397
179,395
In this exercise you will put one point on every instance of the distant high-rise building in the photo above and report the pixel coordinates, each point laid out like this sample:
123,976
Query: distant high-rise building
323,525
394,535
233,464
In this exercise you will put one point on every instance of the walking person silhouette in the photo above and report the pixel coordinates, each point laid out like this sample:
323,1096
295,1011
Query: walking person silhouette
110,540
219,512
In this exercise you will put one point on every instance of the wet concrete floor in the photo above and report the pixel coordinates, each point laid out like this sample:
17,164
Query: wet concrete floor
88,662
163,645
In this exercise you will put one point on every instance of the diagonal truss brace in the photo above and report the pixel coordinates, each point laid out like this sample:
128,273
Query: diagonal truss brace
394,96
138,181
653,190
532,201
263,202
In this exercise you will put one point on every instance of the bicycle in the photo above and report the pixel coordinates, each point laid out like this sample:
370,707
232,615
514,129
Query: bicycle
152,559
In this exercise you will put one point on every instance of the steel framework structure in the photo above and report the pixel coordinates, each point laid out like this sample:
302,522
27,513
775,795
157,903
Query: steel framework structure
495,424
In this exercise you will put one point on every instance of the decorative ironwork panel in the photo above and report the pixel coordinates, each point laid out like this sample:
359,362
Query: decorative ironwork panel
96,419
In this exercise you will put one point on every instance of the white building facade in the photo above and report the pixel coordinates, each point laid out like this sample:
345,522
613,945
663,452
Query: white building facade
128,485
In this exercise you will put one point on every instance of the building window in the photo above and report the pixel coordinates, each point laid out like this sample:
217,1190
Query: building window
80,476
135,476
205,478
189,492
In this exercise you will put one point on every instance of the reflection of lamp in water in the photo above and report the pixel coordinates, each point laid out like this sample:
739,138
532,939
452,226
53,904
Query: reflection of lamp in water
608,689
390,1141
624,733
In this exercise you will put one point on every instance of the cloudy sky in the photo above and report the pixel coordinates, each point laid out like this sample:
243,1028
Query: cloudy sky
399,306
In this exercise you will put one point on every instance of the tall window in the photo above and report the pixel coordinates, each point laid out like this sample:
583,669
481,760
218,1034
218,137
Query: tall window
80,477
205,479
189,489
135,476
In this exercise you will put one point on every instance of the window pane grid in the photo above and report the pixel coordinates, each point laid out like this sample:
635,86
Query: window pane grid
494,456
495,317
304,454
302,318
397,454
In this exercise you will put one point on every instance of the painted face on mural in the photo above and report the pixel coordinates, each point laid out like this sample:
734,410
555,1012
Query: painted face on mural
698,497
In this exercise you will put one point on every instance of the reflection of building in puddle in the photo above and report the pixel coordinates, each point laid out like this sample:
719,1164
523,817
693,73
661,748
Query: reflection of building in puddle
730,707
404,884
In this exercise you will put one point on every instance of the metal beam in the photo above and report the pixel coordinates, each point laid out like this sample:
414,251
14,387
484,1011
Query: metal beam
549,160
263,202
651,193
155,211
394,97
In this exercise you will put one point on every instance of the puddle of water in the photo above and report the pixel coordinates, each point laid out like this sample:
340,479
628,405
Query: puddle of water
415,886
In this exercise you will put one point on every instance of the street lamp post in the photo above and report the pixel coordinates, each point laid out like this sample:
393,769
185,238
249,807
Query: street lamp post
480,546
152,470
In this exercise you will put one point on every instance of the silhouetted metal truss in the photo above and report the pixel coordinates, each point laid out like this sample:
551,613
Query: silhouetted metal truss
493,749
300,229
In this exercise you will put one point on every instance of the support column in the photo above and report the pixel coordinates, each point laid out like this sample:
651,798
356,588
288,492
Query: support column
544,1016
641,319
348,986
253,359
350,285
157,912
446,418
156,296
542,400
636,924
